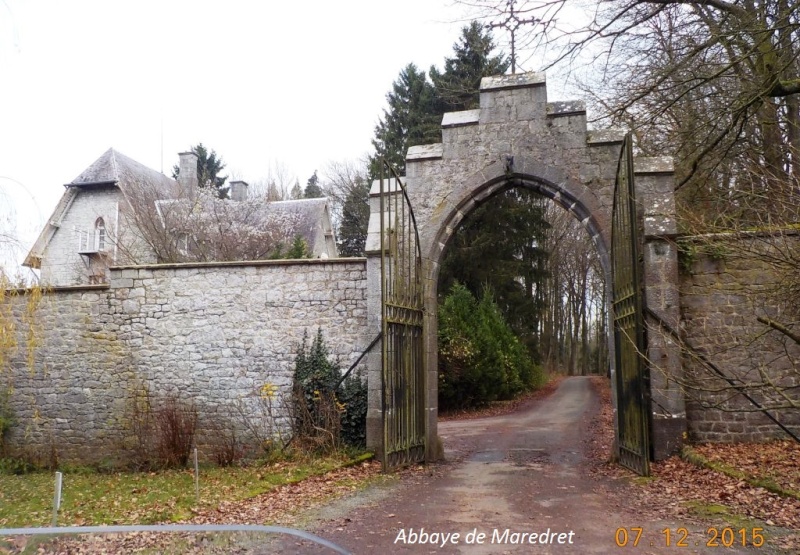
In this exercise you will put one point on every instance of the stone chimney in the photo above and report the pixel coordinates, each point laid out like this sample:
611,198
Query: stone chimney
238,190
187,178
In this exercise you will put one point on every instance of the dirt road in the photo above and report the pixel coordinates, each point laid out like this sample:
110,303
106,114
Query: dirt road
508,478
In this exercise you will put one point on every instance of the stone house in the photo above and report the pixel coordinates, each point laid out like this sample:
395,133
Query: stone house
120,212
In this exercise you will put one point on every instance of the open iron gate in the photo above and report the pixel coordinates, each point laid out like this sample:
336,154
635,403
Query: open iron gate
402,313
629,332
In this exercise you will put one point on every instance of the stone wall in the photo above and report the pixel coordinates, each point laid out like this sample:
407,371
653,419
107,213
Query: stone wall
213,334
727,282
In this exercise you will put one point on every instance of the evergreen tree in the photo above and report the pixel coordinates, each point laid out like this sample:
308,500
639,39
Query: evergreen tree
355,219
313,190
457,88
411,119
480,358
499,244
296,192
209,166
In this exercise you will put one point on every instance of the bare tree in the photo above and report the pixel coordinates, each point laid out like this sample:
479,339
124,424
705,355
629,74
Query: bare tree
204,229
276,185
715,82
347,186
573,321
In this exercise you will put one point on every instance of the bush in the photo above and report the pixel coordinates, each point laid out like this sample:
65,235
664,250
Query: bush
225,446
7,417
480,358
353,397
323,417
175,424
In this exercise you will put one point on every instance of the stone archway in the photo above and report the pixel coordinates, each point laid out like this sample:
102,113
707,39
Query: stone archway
517,138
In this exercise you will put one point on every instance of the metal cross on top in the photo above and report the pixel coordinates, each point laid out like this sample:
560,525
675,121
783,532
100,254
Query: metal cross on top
511,23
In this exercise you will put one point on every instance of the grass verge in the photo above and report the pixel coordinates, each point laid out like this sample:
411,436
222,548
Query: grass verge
91,498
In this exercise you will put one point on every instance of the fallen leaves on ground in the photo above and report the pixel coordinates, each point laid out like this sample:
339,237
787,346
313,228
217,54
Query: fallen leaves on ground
680,489
280,505
777,461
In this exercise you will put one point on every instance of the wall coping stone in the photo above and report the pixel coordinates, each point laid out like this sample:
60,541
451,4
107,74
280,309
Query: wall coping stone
47,289
747,234
460,119
653,165
425,152
242,263
566,108
513,81
605,136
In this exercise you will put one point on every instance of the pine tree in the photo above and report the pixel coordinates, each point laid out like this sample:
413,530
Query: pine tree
499,245
313,190
410,119
457,88
355,219
296,192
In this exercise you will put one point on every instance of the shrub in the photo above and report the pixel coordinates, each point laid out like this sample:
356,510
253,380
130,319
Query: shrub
323,417
263,414
7,417
175,423
353,397
225,446
480,358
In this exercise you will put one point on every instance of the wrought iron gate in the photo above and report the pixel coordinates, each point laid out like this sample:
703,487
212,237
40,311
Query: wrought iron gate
629,332
402,313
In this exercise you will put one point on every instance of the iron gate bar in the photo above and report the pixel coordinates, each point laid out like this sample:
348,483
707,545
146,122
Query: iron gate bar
633,417
402,315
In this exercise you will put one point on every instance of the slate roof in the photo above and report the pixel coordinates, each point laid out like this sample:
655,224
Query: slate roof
115,167
309,213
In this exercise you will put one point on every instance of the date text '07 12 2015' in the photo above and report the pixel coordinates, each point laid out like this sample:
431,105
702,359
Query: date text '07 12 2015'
681,537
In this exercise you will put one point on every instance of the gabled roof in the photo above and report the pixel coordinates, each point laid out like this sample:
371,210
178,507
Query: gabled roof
310,212
111,169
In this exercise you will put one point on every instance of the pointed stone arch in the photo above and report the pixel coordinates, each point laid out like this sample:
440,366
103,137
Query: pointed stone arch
518,138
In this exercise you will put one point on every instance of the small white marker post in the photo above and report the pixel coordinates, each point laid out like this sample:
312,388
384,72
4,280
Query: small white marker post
57,499
196,478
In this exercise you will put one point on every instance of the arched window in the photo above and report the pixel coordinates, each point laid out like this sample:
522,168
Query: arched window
100,234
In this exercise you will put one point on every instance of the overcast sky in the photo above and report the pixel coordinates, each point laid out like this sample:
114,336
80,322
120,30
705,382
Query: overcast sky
296,83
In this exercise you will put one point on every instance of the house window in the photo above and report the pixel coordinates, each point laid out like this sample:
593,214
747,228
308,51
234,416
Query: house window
100,234
183,243
83,240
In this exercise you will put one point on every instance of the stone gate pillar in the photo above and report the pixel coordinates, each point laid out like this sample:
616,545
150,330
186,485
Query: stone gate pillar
655,197
374,314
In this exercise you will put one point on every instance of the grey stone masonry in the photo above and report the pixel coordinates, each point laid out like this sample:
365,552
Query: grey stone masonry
518,138
214,334
654,195
727,282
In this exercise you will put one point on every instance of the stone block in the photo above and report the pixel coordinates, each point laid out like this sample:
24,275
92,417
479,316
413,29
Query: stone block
121,283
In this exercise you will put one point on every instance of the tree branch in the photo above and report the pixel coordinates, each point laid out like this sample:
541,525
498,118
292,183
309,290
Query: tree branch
777,326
